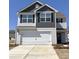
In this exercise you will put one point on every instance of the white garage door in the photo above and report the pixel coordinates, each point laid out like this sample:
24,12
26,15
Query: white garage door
36,38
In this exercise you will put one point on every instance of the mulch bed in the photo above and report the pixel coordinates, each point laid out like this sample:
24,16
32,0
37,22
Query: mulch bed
11,46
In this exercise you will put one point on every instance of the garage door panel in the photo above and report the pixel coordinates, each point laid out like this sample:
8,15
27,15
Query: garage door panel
31,34
44,37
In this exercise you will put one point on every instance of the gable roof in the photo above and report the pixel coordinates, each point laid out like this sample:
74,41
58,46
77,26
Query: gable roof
47,6
30,5
34,10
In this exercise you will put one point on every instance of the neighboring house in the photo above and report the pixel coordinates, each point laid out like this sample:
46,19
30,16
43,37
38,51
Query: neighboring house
11,34
40,23
67,36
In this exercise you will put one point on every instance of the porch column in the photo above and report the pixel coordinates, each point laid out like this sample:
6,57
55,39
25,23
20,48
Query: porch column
55,29
35,18
54,36
17,37
55,19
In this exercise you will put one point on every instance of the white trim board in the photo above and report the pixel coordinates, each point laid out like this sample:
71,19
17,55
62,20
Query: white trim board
46,29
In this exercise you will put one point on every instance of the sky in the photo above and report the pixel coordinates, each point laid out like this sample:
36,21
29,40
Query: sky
16,5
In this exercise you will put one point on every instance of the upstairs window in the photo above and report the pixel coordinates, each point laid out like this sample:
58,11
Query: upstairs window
48,17
45,17
27,19
24,19
59,20
30,18
42,17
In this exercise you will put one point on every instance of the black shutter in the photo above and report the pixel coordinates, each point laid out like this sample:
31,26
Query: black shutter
33,18
20,18
52,17
38,15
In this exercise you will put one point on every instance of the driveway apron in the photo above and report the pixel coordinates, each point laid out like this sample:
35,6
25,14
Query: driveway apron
33,52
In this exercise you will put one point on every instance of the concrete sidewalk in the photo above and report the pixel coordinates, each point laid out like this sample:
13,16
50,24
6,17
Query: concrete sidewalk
33,52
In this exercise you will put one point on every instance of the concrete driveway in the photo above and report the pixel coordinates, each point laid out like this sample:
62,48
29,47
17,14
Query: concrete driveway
33,52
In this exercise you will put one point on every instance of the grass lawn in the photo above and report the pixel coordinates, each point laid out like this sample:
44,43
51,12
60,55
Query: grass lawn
62,52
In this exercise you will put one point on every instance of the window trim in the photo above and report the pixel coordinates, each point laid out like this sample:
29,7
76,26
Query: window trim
45,16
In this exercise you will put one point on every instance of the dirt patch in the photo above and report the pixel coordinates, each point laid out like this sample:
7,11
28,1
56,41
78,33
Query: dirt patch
62,51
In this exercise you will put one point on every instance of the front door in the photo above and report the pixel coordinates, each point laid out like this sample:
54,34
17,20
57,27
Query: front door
58,38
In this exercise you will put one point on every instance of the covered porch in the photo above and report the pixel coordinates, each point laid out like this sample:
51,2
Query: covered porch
61,36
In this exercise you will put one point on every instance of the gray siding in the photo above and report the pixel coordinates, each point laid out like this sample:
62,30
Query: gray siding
45,24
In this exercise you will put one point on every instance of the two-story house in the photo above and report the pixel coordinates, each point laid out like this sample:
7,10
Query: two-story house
40,23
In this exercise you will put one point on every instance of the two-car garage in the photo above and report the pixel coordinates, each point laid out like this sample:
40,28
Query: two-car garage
36,37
